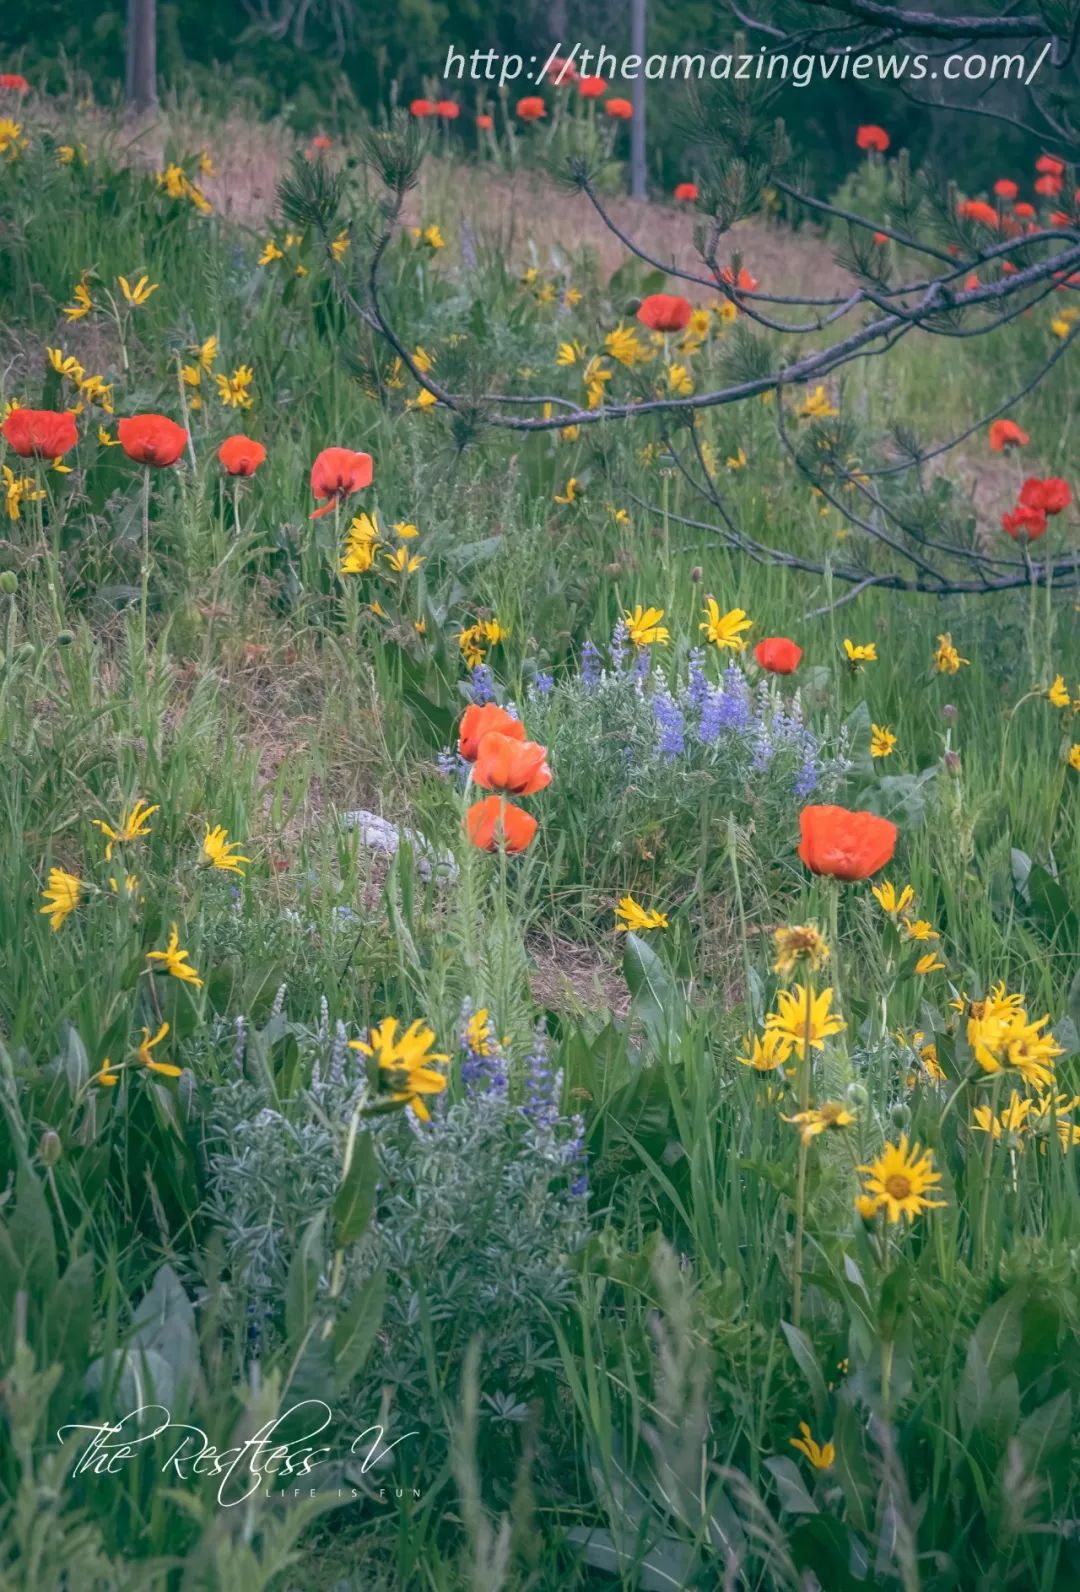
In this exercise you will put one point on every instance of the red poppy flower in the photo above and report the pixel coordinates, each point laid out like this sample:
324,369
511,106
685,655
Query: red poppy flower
40,433
485,122
971,282
336,473
620,109
152,439
686,192
665,312
240,455
504,763
1005,188
1024,210
881,237
744,281
1024,522
778,655
479,721
560,71
872,137
979,210
421,107
1051,495
843,844
1059,218
1007,434
1050,165
592,87
1049,186
531,108
496,820
14,83
449,110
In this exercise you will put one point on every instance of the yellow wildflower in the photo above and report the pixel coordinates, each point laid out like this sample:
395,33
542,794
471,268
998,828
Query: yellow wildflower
174,960
61,896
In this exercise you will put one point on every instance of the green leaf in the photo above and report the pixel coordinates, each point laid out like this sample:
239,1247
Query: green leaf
656,997
303,1279
354,1334
355,1198
794,1497
31,1233
801,1348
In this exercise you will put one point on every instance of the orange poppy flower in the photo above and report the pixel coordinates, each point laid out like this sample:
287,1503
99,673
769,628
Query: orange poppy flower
744,281
665,312
14,83
560,71
1024,210
338,472
479,721
1005,188
496,821
531,108
485,122
778,655
620,109
686,192
592,87
1049,186
40,433
1050,166
872,137
152,439
504,763
1007,434
240,455
979,210
1050,495
1026,522
421,107
449,110
843,844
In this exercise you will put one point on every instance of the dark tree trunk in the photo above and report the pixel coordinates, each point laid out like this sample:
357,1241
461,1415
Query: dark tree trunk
140,86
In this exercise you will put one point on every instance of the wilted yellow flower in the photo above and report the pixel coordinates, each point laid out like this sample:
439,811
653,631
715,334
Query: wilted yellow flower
403,562
1013,1119
822,1458
83,303
569,493
630,917
802,944
61,896
143,1053
724,630
140,292
174,960
65,365
817,406
221,852
644,629
133,825
736,461
930,963
17,490
887,899
569,353
946,658
105,439
815,1120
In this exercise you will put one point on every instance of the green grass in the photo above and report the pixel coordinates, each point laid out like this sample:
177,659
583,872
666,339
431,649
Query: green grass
636,1430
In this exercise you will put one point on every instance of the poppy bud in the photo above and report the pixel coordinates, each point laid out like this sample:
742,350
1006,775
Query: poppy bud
696,574
952,763
49,1148
64,638
9,582
950,713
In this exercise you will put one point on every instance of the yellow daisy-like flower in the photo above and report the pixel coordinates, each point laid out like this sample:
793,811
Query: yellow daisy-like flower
570,491
803,1016
569,353
724,630
175,961
133,825
1058,693
83,303
802,944
736,461
404,530
882,740
206,353
107,1075
630,917
1073,758
823,1457
478,1036
1012,1121
235,390
409,1062
863,652
10,134
106,440
920,929
887,899
679,381
946,658
833,1114
431,236
130,886
624,346
767,1051
140,293
65,365
340,245
424,400
644,629
930,963
900,1180
423,361
61,896
17,490
404,562
143,1053
270,253
221,852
